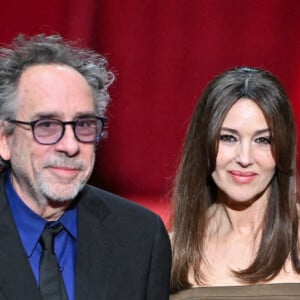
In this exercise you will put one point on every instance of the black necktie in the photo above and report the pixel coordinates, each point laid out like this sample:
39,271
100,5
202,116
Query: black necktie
51,282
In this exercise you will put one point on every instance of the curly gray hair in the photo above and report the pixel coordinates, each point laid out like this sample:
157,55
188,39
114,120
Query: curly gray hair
41,49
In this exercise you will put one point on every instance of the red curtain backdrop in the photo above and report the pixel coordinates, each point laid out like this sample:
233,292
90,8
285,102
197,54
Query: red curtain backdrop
163,53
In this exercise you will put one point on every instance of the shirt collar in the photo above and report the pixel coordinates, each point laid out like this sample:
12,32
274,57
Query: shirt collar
29,224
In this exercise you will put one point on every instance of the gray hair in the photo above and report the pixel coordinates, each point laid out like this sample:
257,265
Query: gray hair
41,49
27,51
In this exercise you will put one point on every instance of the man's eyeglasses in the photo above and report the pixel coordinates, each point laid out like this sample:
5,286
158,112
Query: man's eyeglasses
51,131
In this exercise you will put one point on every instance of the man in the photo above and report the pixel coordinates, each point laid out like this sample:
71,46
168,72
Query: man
53,98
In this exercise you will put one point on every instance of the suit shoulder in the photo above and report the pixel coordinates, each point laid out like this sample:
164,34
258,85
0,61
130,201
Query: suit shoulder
115,203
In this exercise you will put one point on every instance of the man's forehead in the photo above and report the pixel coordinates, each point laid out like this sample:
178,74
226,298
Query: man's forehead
49,89
41,72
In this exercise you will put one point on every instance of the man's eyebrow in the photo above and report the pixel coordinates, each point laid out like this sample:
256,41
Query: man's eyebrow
50,115
44,116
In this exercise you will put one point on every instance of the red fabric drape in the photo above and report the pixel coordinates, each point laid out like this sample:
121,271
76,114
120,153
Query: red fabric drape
163,53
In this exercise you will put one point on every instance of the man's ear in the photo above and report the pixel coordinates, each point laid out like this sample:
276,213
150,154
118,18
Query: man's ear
4,144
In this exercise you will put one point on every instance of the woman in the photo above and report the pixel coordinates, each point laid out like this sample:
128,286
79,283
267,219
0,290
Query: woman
235,221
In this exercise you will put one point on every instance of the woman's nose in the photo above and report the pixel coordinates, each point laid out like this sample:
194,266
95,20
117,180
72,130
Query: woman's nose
244,155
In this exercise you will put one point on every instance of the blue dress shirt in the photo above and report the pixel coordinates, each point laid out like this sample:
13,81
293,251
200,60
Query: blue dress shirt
30,226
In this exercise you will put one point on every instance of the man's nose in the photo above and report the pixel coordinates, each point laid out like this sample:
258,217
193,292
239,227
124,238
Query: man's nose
68,143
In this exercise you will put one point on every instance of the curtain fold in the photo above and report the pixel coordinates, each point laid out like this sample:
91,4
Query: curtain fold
163,54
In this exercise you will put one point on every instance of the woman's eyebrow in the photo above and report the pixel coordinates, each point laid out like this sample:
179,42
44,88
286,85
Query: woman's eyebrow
260,131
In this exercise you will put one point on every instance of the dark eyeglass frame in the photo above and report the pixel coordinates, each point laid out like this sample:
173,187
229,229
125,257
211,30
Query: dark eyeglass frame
74,123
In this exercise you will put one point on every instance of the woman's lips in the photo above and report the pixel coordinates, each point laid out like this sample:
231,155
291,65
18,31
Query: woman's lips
242,177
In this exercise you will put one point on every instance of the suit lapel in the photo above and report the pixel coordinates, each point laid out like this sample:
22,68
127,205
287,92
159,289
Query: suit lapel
95,248
94,260
16,277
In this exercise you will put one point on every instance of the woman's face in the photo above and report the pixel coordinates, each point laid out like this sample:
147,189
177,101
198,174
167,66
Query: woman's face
245,164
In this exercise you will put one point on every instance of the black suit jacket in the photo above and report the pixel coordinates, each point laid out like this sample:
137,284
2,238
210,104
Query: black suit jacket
123,252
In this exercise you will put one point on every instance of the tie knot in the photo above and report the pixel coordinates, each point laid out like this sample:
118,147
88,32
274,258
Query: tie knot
48,234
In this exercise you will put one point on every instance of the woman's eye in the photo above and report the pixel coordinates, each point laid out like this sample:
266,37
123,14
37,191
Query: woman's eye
228,138
263,140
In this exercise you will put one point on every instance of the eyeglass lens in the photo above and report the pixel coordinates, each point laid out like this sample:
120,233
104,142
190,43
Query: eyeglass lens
50,131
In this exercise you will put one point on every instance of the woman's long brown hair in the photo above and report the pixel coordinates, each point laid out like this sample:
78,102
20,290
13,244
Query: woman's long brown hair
195,191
